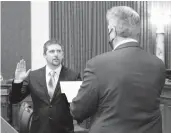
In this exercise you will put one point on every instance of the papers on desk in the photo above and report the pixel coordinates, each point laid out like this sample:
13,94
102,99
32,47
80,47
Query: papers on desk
70,88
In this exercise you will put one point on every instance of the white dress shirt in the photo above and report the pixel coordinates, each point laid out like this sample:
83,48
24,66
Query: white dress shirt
56,77
125,41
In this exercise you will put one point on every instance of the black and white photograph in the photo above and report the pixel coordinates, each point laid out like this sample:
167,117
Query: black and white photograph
85,66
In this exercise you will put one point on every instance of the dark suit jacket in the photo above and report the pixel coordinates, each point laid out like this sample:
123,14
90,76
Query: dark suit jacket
121,90
48,116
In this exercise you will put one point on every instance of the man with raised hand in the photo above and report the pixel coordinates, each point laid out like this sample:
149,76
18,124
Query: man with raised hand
51,112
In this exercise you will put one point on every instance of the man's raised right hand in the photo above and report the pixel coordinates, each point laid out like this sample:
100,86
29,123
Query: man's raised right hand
20,72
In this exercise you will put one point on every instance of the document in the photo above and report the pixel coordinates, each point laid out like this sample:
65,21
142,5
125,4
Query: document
70,88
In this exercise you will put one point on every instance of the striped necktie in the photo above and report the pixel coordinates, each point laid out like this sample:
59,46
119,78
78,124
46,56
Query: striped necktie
51,83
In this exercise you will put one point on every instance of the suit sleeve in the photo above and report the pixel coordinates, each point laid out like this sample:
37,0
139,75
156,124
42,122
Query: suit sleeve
19,91
85,103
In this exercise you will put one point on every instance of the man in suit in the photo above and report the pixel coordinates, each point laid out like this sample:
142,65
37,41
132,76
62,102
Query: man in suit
51,112
121,89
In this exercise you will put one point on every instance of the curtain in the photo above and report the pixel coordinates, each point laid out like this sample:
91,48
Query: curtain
82,28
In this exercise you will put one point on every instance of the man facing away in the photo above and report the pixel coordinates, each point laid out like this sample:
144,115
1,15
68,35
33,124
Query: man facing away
121,89
51,112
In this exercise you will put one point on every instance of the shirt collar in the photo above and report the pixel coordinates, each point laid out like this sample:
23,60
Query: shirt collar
57,70
125,41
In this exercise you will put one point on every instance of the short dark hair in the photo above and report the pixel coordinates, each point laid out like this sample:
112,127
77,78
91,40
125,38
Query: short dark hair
50,42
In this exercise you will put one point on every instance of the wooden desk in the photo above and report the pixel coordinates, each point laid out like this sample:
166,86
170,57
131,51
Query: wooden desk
5,104
10,112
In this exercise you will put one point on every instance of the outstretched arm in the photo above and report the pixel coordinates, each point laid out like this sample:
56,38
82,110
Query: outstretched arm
85,103
20,83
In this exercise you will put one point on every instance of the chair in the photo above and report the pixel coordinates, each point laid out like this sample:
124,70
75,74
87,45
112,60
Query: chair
25,117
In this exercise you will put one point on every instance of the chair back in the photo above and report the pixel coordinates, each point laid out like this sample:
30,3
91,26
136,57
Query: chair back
25,117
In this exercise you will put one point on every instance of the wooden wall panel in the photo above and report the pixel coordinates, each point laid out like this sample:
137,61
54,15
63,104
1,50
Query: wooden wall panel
82,28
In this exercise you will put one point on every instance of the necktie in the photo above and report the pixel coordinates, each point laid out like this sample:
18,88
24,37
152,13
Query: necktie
51,84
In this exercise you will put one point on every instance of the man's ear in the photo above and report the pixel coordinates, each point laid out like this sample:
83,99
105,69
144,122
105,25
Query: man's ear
44,55
114,29
109,28
63,53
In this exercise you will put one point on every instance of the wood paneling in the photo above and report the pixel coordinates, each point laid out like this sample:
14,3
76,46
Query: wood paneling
82,28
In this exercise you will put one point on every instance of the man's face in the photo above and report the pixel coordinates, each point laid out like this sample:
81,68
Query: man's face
54,55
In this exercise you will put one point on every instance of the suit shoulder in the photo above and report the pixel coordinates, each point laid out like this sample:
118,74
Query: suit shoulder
70,74
99,58
160,63
70,71
156,60
36,71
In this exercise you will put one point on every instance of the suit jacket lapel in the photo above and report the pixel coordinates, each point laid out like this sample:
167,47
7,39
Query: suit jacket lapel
42,83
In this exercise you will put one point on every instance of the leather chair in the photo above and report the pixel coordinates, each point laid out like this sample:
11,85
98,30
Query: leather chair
25,116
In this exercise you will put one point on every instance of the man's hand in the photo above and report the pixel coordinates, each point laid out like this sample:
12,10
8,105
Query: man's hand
20,72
